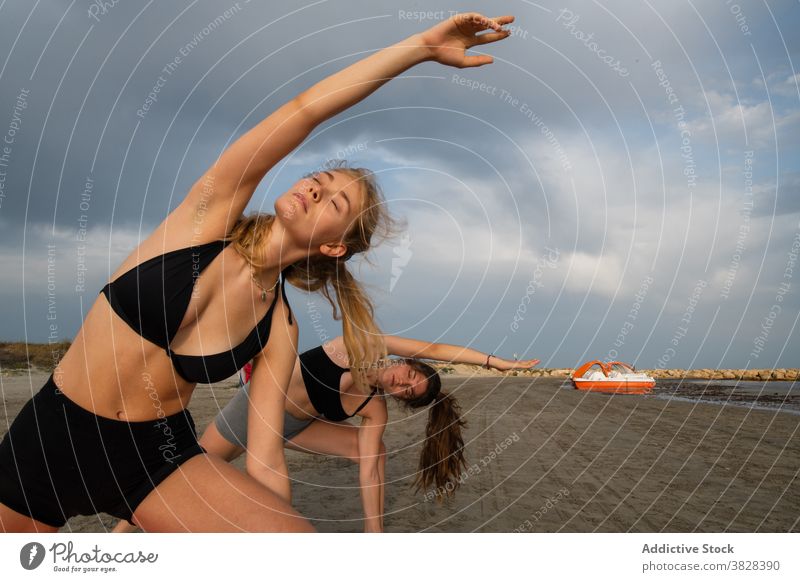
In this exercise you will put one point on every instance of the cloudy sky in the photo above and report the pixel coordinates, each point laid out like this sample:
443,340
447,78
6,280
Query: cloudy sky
623,181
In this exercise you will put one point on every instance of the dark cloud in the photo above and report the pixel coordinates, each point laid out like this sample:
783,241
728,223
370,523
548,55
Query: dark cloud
556,148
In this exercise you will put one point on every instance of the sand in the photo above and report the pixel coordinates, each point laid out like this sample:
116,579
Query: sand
546,458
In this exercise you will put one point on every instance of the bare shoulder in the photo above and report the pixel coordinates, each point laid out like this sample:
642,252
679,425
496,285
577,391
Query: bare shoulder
184,227
375,410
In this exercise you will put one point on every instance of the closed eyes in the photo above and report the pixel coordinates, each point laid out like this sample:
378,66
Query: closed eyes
335,206
412,375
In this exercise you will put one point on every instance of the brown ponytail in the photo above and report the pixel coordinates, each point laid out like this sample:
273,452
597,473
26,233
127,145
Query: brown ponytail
441,460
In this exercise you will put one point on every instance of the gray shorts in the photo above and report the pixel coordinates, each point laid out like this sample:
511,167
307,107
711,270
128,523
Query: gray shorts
231,422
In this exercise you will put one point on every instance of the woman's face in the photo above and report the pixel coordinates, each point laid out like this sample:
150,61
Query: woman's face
317,211
403,381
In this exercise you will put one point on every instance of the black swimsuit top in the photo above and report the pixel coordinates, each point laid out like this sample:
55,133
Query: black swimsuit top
152,298
322,378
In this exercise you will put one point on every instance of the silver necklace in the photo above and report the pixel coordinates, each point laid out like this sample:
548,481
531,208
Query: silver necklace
260,286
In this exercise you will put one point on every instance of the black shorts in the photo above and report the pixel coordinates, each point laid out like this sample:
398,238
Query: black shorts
59,460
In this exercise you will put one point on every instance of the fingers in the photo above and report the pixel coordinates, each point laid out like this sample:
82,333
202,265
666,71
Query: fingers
485,22
489,23
477,20
476,61
497,22
491,37
501,20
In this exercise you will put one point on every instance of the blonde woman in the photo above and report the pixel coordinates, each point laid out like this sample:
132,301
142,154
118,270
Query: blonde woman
116,436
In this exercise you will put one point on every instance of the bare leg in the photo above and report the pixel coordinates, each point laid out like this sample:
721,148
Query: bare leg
213,442
335,439
324,438
327,438
206,494
14,522
339,440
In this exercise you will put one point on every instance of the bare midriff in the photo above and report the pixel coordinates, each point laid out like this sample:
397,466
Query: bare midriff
113,372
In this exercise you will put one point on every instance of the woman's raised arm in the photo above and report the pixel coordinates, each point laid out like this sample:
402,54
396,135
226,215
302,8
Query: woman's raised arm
445,43
222,193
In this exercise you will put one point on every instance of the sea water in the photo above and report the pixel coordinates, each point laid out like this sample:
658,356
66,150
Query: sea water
762,395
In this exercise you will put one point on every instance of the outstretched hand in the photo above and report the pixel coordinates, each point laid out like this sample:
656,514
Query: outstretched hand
504,365
449,40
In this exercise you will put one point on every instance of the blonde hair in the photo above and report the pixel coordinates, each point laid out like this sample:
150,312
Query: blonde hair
330,275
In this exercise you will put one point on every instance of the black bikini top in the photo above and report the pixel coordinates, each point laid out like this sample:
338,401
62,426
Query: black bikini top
152,298
322,378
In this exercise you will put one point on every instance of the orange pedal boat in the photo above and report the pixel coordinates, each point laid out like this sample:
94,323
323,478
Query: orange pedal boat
611,378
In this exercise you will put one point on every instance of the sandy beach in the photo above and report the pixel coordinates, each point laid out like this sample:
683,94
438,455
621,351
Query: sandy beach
546,458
